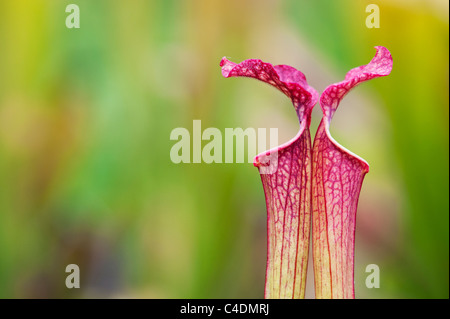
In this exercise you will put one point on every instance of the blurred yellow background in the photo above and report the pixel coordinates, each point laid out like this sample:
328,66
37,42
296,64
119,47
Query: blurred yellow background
85,120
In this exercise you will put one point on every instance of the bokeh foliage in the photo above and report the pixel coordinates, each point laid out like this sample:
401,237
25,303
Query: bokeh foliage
85,120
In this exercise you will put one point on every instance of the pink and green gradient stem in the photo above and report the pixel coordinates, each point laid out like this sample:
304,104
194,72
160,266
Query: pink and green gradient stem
337,179
286,179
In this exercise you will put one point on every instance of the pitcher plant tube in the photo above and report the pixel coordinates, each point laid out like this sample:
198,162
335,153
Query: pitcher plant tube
306,184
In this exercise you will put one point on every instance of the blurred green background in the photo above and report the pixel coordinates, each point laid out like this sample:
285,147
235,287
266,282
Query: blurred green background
85,120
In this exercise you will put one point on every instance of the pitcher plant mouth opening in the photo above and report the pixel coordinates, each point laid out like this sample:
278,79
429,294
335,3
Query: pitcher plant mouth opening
308,184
